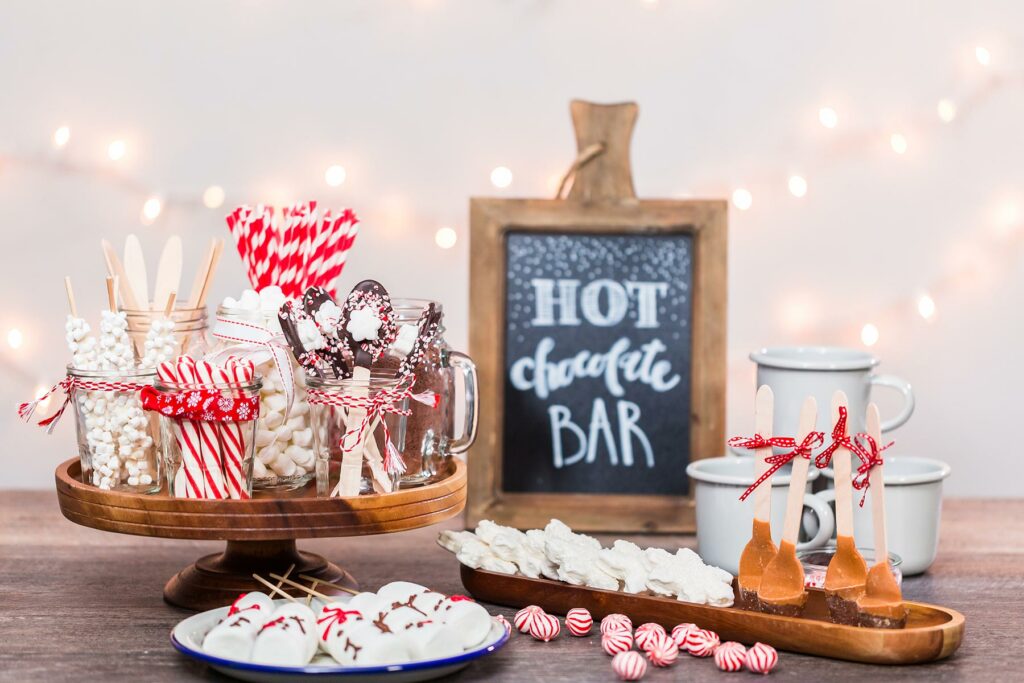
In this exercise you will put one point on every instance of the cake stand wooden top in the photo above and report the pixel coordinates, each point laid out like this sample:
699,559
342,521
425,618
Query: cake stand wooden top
290,515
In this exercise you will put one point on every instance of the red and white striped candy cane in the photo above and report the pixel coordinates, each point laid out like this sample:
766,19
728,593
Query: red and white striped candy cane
191,483
239,373
206,434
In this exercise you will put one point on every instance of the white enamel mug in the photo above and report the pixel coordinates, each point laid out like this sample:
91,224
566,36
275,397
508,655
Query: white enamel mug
796,372
724,522
913,507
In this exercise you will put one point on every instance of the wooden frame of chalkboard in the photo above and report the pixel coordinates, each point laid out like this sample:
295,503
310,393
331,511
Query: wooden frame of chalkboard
493,221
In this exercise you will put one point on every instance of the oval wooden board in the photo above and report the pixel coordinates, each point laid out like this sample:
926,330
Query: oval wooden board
298,514
931,632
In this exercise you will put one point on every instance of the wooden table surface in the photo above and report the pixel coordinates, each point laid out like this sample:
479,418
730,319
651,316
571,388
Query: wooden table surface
79,605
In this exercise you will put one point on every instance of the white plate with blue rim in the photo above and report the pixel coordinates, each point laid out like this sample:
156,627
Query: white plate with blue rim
187,638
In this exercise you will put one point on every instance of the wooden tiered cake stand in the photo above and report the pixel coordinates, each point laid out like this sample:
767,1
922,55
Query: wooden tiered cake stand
260,533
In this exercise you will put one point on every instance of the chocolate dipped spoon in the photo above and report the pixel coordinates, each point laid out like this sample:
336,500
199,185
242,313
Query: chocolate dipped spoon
427,326
290,318
368,325
325,312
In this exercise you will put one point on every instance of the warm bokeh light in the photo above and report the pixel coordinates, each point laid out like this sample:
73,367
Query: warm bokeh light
798,312
15,338
983,56
898,142
828,117
116,150
501,177
946,110
61,136
926,307
213,197
446,237
41,390
151,210
797,186
869,335
334,175
742,199
1007,217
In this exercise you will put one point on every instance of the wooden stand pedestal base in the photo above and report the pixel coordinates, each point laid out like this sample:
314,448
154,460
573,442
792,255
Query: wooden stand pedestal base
216,580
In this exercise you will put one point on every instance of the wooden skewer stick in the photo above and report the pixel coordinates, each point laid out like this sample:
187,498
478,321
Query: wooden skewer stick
204,275
306,577
112,293
273,589
71,296
116,269
877,486
305,589
169,308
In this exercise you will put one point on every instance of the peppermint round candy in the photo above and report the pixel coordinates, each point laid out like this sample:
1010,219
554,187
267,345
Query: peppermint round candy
662,650
615,642
578,621
616,622
545,627
525,617
504,622
629,666
701,643
761,658
679,632
647,633
730,656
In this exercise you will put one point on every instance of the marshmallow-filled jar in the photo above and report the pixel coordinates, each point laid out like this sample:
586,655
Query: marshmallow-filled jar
284,439
332,421
430,437
209,457
190,329
117,439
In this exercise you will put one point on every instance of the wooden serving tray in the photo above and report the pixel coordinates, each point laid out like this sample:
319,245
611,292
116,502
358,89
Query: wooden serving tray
260,532
931,632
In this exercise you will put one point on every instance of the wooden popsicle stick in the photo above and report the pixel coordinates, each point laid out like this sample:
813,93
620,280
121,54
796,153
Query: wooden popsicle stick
71,296
305,589
842,475
112,293
116,269
168,272
798,477
135,269
273,589
877,486
763,405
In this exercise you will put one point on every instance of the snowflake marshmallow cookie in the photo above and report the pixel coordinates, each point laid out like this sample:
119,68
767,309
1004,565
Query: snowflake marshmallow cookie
363,324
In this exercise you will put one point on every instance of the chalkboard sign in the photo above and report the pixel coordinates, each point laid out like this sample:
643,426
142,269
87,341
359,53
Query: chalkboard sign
597,363
598,329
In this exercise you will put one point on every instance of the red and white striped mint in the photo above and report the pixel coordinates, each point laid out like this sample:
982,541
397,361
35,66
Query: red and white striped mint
578,621
679,632
648,633
761,658
504,622
701,643
545,627
629,666
730,656
662,650
526,617
616,622
615,642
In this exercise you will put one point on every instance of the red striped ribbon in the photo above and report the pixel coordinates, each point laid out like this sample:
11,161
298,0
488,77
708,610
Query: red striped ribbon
870,457
68,385
839,440
803,449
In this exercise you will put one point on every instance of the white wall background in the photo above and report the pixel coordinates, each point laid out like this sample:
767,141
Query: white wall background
420,100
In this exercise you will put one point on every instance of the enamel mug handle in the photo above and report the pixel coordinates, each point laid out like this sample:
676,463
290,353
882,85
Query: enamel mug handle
465,365
826,522
904,388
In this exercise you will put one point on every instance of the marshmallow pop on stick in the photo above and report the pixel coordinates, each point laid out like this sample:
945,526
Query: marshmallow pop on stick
847,572
881,606
782,583
760,550
160,342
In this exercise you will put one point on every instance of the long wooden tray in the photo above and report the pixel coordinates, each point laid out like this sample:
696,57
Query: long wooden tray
931,633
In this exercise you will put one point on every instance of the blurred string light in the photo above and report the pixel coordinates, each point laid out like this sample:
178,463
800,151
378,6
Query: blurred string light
213,197
946,110
828,117
61,136
742,199
15,338
501,177
869,335
926,307
335,175
446,237
151,210
898,142
797,186
116,150
983,56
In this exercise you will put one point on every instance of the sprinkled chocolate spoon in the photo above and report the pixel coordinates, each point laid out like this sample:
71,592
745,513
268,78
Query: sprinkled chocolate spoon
368,325
429,321
321,307
291,320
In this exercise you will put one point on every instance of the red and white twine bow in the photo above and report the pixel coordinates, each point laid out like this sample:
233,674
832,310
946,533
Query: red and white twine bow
335,615
867,449
259,345
68,385
203,405
803,449
839,440
758,441
383,402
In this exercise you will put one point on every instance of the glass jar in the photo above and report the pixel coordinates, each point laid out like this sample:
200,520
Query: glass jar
335,425
284,442
205,458
117,439
429,438
190,329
